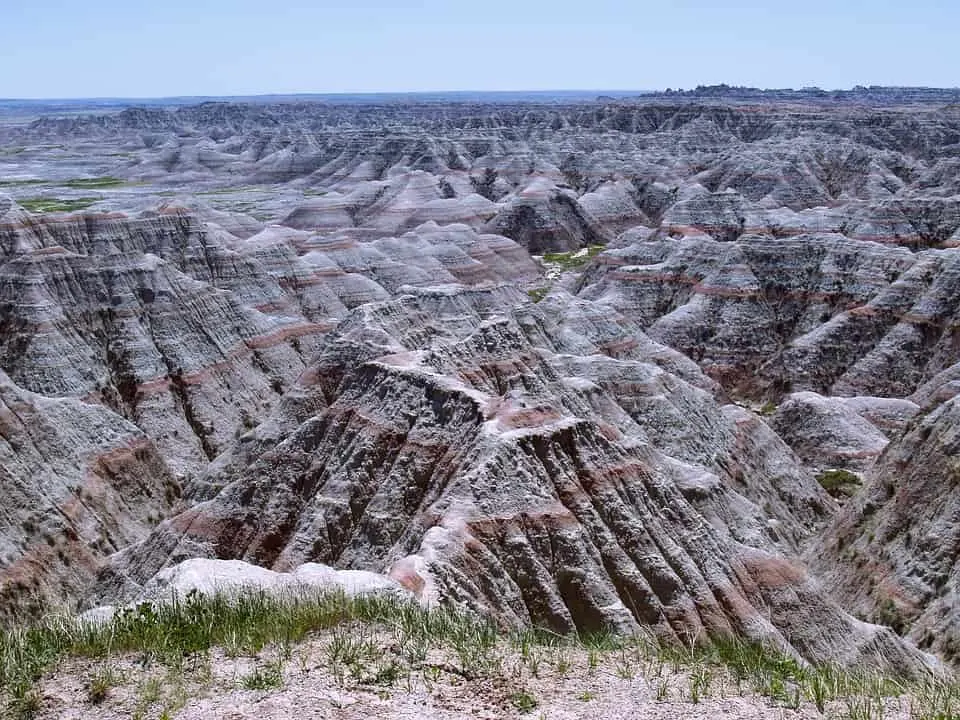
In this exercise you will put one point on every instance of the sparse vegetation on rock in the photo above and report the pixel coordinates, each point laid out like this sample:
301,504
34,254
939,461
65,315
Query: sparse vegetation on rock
839,483
169,658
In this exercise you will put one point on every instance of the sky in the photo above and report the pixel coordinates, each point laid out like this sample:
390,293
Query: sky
128,48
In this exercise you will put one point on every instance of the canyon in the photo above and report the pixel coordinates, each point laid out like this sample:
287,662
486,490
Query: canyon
686,362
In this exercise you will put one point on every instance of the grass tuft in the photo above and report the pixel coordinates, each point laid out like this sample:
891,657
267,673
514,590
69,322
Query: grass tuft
524,701
266,677
538,294
100,684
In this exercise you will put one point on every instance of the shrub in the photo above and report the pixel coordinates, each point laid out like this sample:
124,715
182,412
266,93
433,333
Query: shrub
840,484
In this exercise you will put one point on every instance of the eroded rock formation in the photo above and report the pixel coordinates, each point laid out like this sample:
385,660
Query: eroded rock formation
337,344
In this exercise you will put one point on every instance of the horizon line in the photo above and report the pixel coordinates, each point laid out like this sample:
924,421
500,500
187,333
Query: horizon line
409,93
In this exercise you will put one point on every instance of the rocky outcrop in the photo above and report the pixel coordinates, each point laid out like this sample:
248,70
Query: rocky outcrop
134,351
340,347
476,462
820,313
830,433
543,219
891,555
79,482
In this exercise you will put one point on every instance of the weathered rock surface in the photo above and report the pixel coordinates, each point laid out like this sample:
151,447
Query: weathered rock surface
327,341
79,482
190,334
892,554
815,312
207,577
828,432
475,462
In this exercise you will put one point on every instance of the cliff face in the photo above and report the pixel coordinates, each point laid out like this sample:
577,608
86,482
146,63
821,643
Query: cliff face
340,345
813,312
474,465
892,553
162,338
79,483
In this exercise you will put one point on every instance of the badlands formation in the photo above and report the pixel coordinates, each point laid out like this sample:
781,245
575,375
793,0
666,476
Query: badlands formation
686,362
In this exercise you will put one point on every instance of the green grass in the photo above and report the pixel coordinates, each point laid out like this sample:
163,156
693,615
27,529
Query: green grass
523,701
93,183
20,183
839,483
180,635
51,205
100,684
538,294
267,677
569,261
228,190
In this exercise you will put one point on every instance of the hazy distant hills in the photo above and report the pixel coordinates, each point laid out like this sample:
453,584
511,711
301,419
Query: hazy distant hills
873,95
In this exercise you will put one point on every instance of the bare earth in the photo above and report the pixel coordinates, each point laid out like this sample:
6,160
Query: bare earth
563,683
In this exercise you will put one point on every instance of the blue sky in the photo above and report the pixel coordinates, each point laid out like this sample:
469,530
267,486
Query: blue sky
128,48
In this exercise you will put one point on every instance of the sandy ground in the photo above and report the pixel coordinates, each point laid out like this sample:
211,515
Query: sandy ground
547,685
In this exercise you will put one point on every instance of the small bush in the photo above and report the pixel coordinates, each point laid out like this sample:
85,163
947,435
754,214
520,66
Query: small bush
523,701
768,408
98,688
840,484
538,294
25,707
266,677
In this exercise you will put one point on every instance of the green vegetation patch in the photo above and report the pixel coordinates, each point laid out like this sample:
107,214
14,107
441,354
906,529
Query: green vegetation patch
51,205
768,408
840,484
93,183
178,636
573,259
538,294
20,183
229,190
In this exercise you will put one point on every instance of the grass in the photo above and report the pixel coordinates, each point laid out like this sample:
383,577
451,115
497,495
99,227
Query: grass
100,684
93,183
228,190
266,677
574,259
24,707
20,183
538,294
524,701
51,205
380,642
840,484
